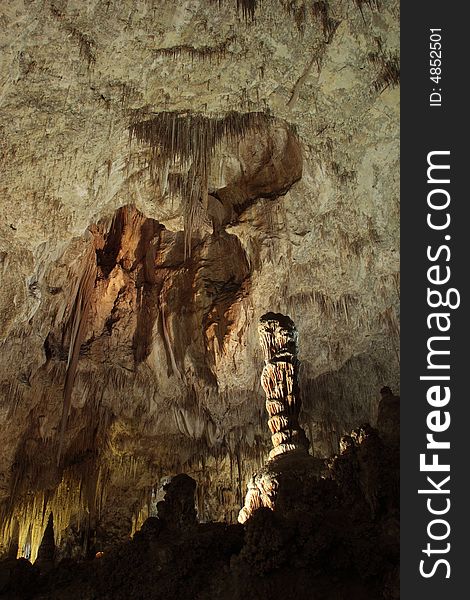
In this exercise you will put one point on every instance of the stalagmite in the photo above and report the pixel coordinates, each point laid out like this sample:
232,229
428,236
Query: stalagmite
289,462
177,510
388,418
46,551
278,338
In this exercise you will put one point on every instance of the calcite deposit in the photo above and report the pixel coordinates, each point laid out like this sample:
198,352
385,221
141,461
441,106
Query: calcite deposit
170,172
280,382
289,465
335,536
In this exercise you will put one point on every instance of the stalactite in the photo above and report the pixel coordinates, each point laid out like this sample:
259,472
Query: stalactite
372,4
31,514
209,53
77,499
248,8
77,329
389,70
168,343
86,45
191,139
146,507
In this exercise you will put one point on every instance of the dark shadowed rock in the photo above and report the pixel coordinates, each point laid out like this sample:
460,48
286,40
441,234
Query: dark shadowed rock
388,419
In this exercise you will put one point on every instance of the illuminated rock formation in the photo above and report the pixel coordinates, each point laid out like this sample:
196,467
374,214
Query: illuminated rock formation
169,170
289,463
280,381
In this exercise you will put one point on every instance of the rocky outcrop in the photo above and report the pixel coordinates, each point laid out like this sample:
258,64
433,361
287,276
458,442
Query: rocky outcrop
177,510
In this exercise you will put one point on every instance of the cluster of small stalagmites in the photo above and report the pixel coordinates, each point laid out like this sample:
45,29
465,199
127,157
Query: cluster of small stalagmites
361,466
278,338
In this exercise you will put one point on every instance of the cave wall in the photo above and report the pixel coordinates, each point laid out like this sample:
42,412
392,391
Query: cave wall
169,174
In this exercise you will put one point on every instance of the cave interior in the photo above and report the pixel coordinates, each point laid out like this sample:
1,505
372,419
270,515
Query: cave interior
199,313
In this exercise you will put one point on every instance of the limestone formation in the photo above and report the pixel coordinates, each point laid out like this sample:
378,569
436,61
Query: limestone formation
337,535
289,467
168,171
177,510
280,381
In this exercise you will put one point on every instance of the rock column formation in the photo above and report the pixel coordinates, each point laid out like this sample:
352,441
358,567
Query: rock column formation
177,511
278,338
46,552
289,462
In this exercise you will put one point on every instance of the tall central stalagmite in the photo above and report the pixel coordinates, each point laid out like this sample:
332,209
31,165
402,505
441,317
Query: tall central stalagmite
278,338
289,461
